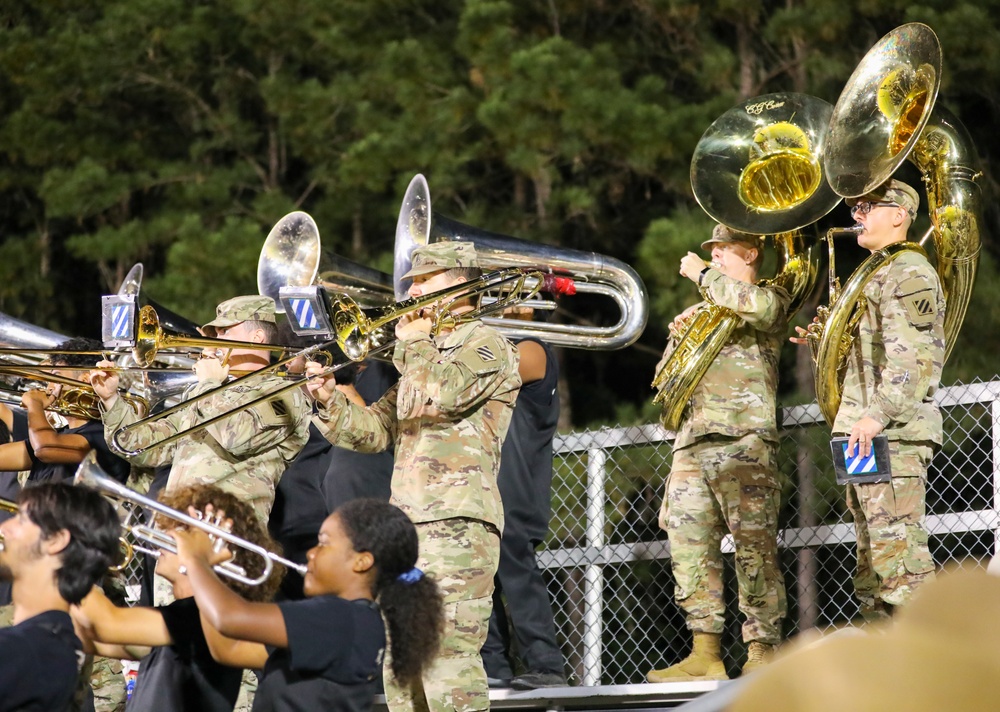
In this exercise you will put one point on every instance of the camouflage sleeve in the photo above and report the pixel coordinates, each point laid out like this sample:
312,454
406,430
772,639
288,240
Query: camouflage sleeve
458,384
252,431
764,308
911,348
119,415
351,426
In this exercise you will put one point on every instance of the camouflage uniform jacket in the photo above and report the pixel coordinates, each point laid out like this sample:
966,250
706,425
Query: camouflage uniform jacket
894,366
736,396
245,454
447,416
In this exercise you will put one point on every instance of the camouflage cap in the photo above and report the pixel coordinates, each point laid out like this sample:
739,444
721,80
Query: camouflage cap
443,255
722,233
239,309
892,191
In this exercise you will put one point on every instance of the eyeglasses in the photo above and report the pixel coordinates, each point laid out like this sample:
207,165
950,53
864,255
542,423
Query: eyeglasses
866,207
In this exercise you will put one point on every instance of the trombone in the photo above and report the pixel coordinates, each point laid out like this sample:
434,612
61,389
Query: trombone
128,551
359,335
78,399
89,474
151,338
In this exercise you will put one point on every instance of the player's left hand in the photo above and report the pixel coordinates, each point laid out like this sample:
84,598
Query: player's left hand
862,433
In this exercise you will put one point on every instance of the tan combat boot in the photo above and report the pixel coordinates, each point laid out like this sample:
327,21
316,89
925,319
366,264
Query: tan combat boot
704,662
758,655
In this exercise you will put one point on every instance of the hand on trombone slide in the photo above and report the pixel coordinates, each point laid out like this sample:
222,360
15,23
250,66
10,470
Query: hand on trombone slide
105,381
209,367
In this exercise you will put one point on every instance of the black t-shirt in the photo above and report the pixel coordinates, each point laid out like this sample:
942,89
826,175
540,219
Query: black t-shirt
333,658
299,508
298,499
525,477
183,677
39,662
93,432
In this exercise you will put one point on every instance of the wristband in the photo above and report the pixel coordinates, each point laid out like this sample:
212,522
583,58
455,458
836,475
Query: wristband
701,275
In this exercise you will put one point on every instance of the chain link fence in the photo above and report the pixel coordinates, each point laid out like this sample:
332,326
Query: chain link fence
607,562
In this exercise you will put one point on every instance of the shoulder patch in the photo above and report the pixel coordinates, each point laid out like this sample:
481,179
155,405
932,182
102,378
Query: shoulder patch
482,359
485,353
274,413
921,307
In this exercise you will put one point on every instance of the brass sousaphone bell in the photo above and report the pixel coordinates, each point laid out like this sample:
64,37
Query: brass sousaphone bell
757,169
885,115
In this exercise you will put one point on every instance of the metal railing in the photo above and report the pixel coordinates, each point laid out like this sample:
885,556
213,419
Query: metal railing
607,562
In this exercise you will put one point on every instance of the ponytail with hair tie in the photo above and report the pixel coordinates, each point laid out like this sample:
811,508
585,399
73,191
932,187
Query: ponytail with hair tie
411,576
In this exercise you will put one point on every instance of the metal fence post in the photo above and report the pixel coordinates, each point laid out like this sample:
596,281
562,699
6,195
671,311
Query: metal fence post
995,413
593,626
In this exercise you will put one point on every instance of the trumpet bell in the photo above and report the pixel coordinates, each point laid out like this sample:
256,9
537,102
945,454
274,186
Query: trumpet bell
883,110
757,168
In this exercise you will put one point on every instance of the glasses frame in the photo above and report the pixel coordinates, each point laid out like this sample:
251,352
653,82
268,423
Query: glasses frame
865,206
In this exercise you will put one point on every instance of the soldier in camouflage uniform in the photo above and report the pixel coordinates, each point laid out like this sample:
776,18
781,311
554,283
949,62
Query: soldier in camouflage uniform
447,417
723,478
246,453
892,372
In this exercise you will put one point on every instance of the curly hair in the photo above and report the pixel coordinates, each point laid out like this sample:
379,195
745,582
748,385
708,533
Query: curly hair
76,344
93,528
414,612
245,525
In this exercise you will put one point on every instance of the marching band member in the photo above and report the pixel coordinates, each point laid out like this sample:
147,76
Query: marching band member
327,649
893,370
244,454
59,545
447,418
179,674
723,477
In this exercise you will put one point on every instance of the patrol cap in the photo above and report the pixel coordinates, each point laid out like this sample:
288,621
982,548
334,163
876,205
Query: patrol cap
722,233
239,309
892,191
443,255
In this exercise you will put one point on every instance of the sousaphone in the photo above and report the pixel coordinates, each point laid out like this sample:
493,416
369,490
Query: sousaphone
886,114
757,169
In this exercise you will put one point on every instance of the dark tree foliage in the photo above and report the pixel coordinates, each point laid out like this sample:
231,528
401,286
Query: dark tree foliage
177,132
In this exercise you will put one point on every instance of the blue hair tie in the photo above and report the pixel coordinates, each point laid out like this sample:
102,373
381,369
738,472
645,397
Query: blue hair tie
411,576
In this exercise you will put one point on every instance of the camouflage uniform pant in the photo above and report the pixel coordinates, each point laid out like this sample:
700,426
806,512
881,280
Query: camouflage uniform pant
716,486
108,684
462,555
893,556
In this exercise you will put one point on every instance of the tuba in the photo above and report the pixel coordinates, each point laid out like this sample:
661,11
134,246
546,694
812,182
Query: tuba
567,271
884,116
293,264
756,169
293,256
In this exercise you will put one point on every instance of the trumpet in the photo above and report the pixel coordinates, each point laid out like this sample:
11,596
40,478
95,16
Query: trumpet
89,474
359,335
128,551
